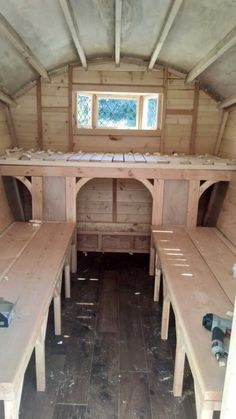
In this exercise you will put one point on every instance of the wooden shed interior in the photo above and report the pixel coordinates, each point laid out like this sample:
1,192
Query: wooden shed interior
117,163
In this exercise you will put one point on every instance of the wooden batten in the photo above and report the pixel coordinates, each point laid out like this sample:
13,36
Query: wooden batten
194,120
164,106
39,114
70,108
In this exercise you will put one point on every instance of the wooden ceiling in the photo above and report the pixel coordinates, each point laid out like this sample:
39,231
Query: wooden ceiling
197,38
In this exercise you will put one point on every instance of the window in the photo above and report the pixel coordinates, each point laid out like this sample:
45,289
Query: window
118,111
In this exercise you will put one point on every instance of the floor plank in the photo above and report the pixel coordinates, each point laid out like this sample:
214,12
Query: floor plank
108,313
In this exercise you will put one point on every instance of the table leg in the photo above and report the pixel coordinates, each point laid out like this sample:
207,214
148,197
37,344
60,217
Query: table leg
40,357
157,279
57,306
73,258
165,312
67,280
179,365
11,407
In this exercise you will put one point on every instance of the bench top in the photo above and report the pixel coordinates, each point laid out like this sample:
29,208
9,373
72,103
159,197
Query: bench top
30,283
194,291
12,243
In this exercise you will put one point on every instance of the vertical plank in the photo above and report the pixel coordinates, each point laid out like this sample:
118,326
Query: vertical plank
70,108
164,105
157,205
193,197
114,200
71,199
194,119
11,126
37,197
39,114
221,132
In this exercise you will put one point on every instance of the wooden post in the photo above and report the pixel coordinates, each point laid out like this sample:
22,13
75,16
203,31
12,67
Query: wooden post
165,312
39,114
193,198
157,211
70,108
179,365
11,126
164,106
194,120
221,132
114,200
37,198
71,199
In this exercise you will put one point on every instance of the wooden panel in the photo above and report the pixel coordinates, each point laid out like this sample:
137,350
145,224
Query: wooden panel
175,202
5,212
54,199
5,139
227,219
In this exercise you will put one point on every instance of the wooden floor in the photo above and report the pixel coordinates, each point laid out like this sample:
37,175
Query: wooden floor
110,361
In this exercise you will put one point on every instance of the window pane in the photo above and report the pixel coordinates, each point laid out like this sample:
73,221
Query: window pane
149,113
117,113
84,111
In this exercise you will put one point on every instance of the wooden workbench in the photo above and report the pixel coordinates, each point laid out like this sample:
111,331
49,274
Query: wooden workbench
30,277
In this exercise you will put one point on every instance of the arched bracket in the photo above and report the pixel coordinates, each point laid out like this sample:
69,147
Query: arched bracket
147,184
81,183
205,186
26,182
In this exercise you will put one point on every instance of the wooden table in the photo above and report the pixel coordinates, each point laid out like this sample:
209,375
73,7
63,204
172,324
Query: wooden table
35,257
196,281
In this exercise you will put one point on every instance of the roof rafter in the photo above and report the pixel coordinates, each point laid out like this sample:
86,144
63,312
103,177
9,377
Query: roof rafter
172,13
227,42
118,12
229,101
18,43
7,99
73,27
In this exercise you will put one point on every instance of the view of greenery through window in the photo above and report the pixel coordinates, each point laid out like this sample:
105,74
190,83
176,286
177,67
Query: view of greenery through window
117,112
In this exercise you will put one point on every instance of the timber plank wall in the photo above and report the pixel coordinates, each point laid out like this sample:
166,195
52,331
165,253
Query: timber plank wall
44,118
5,141
227,218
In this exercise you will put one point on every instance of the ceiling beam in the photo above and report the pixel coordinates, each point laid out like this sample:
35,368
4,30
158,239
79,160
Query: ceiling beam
227,42
172,13
73,27
7,99
118,11
18,43
229,101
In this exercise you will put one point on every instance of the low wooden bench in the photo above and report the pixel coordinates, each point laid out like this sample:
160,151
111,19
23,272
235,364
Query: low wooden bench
31,280
194,285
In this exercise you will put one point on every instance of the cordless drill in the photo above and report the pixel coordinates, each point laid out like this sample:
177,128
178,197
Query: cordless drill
220,328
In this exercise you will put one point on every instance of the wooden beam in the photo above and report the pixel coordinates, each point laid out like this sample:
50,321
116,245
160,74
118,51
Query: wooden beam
193,198
194,120
11,126
227,42
70,108
172,13
221,132
73,27
118,12
7,99
14,38
39,115
164,106
229,101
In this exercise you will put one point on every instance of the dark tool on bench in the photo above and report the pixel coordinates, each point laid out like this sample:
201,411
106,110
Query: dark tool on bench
220,328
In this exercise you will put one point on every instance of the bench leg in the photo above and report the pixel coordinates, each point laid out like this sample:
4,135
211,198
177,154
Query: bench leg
152,260
11,407
40,357
165,312
179,366
204,409
73,258
67,280
157,285
57,307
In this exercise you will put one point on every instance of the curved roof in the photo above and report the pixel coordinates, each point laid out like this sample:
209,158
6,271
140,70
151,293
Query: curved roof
196,37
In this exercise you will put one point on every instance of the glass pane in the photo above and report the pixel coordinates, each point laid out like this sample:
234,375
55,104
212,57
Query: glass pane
84,111
117,113
149,113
